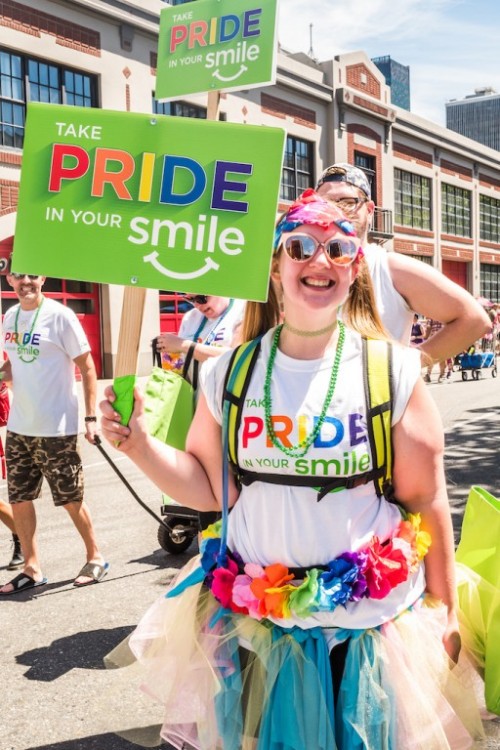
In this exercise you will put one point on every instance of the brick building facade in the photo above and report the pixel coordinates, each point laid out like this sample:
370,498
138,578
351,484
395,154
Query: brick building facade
437,193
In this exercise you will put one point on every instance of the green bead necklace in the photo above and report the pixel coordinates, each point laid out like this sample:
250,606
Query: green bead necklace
300,449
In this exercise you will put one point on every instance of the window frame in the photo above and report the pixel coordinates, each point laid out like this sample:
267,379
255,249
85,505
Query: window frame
489,281
299,178
413,206
50,77
456,214
489,221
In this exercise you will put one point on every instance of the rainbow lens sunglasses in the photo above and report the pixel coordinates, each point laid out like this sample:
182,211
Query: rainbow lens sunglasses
196,299
340,252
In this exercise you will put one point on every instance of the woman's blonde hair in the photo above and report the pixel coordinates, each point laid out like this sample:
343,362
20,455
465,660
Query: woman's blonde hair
359,311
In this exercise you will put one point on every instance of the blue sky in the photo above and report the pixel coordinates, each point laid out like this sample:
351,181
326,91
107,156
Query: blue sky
451,46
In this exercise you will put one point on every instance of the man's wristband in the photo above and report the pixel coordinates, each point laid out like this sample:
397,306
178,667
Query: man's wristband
91,419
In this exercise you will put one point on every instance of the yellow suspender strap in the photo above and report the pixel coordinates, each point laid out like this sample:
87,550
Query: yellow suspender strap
237,380
378,387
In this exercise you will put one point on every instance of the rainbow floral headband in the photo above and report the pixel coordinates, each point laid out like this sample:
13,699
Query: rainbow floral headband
310,208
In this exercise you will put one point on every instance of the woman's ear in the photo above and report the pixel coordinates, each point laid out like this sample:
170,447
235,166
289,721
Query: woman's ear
275,270
358,263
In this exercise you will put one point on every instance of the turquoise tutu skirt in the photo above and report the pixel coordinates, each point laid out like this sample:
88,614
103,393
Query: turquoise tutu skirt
226,681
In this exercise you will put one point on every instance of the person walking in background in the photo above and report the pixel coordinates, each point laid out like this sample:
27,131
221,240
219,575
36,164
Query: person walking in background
402,284
318,624
417,331
432,328
44,341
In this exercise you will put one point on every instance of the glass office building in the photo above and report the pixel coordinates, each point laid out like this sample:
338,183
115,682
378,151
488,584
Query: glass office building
476,116
397,77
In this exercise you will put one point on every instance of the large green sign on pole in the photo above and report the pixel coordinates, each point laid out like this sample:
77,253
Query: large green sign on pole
216,44
153,201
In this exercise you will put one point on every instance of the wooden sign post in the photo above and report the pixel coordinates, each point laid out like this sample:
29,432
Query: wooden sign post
134,298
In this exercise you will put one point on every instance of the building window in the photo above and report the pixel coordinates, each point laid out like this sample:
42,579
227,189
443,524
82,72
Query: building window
297,172
456,211
489,219
490,281
412,200
367,164
24,79
179,109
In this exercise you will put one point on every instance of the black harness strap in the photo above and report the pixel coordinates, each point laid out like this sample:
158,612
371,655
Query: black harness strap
324,485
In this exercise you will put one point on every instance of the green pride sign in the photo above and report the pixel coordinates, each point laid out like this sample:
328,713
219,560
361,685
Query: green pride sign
160,202
216,44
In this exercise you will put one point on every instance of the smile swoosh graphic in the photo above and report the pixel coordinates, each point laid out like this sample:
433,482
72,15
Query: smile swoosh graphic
216,74
210,265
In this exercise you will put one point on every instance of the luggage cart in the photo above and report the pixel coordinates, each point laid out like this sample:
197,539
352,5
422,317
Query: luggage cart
476,363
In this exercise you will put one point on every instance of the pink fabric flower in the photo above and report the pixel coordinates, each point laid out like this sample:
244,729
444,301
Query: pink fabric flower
222,586
244,597
386,567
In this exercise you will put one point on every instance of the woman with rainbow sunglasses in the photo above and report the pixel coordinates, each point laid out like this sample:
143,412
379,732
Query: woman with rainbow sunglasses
321,614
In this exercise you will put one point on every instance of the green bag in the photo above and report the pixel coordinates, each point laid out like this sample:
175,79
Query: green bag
478,585
479,546
170,403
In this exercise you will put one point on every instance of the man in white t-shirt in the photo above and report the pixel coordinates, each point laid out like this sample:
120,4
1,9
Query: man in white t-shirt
402,284
44,341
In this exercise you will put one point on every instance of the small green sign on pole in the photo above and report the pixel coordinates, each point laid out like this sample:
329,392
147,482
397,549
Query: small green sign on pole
146,200
216,44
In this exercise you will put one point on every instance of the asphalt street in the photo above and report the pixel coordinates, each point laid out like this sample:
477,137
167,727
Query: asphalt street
56,694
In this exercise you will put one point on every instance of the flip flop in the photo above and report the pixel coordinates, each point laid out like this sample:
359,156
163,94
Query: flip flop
22,582
95,571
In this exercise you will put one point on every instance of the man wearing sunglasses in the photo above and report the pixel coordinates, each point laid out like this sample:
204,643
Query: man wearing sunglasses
402,284
44,340
210,325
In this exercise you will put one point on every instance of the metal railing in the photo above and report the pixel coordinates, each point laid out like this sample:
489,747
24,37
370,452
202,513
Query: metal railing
383,225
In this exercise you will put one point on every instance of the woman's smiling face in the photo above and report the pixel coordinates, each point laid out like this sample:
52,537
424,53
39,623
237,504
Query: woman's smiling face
316,284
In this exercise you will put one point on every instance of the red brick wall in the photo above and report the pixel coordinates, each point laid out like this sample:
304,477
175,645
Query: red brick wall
9,192
456,253
412,154
353,76
448,167
489,258
489,182
413,248
34,22
7,157
271,105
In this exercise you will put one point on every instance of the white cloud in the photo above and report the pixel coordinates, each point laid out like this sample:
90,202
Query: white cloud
339,27
451,46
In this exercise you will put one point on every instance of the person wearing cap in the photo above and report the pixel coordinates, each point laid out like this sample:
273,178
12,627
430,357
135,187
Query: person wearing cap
311,621
402,284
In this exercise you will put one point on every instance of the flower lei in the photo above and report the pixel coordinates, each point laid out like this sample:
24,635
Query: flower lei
372,572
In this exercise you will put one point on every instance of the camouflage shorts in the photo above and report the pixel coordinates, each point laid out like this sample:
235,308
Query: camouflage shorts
30,459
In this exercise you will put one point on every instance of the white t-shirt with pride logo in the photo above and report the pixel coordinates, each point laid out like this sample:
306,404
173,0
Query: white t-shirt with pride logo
284,523
45,401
